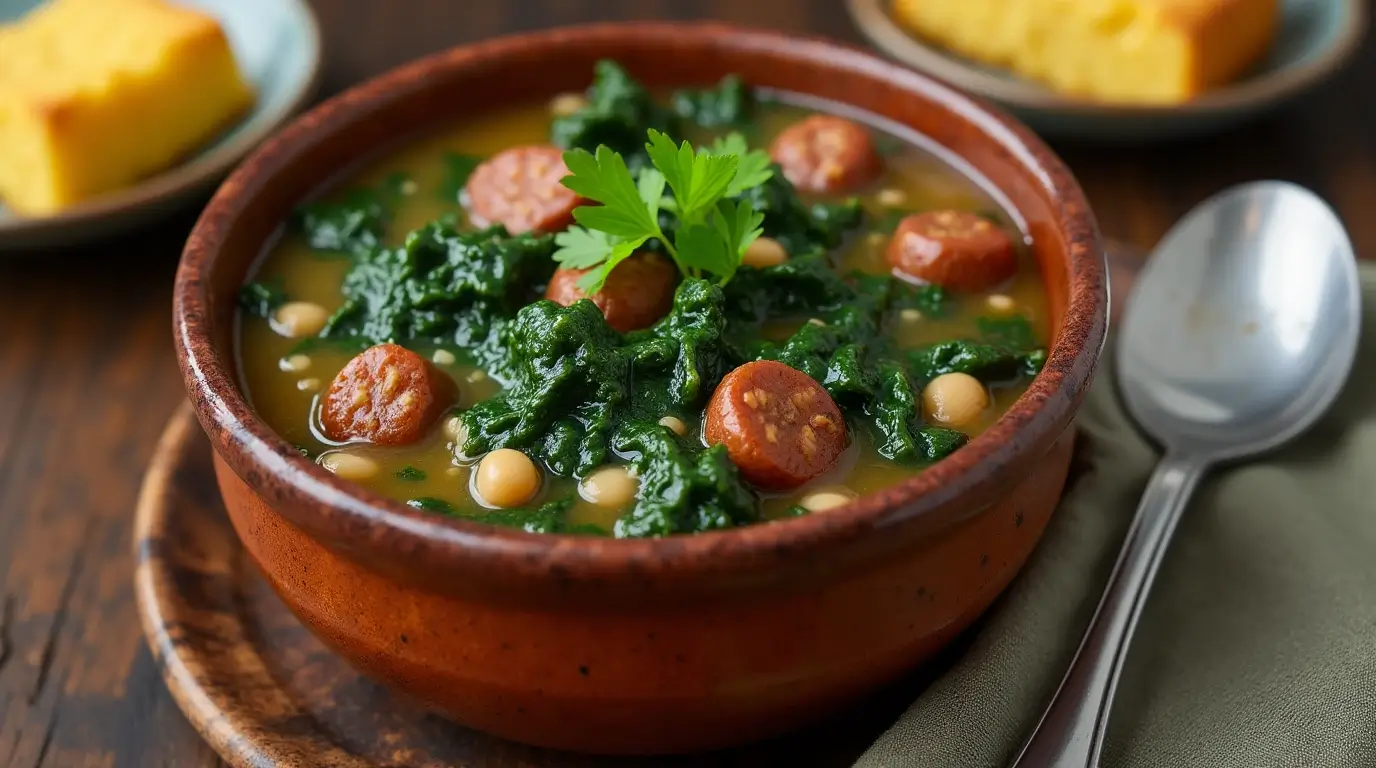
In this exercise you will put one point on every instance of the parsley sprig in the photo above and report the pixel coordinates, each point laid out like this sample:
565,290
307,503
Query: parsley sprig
714,228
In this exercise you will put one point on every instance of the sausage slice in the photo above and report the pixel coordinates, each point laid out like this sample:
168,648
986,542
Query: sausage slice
520,188
778,425
387,395
956,250
824,153
635,295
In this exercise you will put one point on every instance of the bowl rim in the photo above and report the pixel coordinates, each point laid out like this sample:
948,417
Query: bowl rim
875,21
368,524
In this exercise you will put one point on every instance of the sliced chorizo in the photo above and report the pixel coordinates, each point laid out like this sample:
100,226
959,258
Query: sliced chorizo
824,153
387,395
956,250
779,426
520,188
638,292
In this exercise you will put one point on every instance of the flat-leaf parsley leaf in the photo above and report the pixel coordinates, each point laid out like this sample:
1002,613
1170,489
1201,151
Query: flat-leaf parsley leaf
713,230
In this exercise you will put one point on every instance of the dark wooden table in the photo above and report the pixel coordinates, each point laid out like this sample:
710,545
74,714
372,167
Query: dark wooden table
87,375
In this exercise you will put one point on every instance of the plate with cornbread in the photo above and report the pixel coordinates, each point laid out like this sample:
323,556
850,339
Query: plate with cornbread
115,112
1122,70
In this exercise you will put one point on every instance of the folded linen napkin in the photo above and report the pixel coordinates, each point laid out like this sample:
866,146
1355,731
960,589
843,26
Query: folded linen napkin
1257,647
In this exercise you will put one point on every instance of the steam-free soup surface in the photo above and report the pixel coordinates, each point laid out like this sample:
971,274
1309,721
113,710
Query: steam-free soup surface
287,369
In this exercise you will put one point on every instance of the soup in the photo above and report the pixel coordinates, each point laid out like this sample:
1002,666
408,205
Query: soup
630,314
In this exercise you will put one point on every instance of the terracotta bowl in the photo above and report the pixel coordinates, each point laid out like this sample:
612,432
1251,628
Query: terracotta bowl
640,646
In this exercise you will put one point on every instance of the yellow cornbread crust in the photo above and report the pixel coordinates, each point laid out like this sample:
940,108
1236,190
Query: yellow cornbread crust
98,94
1119,51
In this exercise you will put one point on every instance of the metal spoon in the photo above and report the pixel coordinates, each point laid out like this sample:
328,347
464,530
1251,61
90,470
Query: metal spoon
1241,332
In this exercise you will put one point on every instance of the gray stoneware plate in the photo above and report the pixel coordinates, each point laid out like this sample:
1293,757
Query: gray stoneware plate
277,45
1316,37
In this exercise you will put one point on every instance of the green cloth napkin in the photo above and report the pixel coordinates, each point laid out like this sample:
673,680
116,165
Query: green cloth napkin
1257,647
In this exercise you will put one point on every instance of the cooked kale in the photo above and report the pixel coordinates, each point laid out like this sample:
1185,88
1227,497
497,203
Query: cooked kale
683,488
261,299
441,286
846,351
578,390
618,114
990,363
806,283
800,227
551,517
410,474
353,225
620,111
730,103
570,377
566,377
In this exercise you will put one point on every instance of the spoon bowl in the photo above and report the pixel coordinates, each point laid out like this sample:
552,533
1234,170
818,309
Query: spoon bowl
1243,325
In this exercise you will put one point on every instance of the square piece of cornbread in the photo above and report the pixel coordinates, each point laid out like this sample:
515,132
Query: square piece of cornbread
97,94
1119,51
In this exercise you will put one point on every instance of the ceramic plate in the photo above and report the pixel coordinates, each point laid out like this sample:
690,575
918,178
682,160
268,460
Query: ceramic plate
277,45
1315,38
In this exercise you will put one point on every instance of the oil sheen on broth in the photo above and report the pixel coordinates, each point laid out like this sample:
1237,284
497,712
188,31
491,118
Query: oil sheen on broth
284,387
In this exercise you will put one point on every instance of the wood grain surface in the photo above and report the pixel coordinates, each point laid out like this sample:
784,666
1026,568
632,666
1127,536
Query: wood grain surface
88,380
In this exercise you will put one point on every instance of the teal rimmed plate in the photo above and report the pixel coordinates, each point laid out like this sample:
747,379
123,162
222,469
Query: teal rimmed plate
277,45
1315,38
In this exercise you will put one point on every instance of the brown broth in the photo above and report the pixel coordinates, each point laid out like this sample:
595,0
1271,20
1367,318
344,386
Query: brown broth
287,399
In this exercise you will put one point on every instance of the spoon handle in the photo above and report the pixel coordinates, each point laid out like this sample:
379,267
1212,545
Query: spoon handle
1071,731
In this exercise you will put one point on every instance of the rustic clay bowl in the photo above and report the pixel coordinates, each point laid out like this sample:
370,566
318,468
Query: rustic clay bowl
640,646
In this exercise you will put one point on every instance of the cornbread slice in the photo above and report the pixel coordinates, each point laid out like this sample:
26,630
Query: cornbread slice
96,94
1135,51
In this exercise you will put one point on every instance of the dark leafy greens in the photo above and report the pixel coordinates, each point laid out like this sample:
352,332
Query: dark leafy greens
800,227
618,115
1005,352
354,225
620,111
261,299
441,285
577,394
844,347
551,517
730,104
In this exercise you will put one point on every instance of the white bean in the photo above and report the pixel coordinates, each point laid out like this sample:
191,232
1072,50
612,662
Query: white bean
299,319
1001,304
675,425
827,498
891,197
954,400
566,104
764,252
350,466
295,363
609,487
506,478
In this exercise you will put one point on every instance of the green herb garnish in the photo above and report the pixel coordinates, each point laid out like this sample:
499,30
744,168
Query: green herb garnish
410,474
713,230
